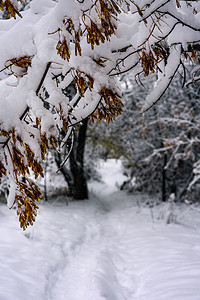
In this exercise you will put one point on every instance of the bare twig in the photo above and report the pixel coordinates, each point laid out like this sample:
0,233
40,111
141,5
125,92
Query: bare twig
66,158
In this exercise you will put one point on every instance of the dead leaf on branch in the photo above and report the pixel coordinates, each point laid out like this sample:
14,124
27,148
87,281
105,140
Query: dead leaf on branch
28,194
2,170
150,60
109,107
178,4
10,8
18,162
96,32
82,81
63,44
63,49
23,63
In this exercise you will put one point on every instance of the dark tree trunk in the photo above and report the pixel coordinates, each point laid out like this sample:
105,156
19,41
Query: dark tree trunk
77,165
164,192
74,176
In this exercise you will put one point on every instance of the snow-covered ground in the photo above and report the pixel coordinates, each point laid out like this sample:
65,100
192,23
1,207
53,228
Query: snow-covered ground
110,247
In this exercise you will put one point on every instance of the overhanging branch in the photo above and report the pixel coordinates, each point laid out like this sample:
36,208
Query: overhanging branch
37,92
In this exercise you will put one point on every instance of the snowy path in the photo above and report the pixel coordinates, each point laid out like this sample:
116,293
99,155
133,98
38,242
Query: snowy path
105,248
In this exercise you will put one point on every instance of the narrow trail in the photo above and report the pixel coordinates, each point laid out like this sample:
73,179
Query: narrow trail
93,258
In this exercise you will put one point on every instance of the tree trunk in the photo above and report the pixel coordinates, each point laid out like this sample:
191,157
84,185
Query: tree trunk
77,166
164,194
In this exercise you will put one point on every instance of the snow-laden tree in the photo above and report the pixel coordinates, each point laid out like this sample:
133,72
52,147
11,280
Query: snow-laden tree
161,149
180,139
90,42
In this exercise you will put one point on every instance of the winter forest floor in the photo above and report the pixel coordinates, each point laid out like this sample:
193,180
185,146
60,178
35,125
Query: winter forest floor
111,247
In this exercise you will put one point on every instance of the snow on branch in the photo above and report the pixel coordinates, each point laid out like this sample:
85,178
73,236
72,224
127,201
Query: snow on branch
167,76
